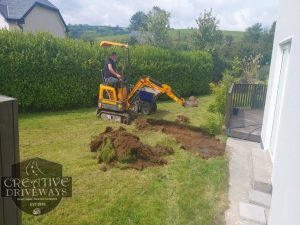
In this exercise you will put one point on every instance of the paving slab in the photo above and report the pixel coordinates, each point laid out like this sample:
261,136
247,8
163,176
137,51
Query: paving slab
253,213
262,170
260,198
240,169
246,124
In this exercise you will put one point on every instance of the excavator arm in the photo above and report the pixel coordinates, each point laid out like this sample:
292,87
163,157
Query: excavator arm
148,82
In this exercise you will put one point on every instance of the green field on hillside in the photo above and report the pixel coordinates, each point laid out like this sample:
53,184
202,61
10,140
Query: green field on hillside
175,35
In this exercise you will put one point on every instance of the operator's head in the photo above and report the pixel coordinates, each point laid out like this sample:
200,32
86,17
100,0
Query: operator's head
114,56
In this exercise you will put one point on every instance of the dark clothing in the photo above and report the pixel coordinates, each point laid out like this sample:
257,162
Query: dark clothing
112,81
107,73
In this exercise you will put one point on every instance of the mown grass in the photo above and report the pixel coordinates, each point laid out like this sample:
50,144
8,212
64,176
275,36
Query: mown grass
188,190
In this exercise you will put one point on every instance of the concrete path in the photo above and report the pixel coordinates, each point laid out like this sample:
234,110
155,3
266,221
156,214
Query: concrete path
240,168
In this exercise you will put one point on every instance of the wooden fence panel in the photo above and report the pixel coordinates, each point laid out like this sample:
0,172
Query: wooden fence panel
9,154
251,96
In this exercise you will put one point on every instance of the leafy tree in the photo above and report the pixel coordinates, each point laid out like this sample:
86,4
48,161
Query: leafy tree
272,30
266,45
207,35
254,33
219,66
158,25
138,21
229,39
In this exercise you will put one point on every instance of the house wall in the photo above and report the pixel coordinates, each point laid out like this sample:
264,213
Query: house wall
13,27
42,19
285,203
3,23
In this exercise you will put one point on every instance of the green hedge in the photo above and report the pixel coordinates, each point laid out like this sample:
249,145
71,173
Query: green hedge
45,73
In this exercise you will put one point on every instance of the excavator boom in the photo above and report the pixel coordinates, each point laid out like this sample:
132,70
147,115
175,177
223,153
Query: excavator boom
148,82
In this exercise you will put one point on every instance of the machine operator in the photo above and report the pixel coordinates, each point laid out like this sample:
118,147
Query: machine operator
111,76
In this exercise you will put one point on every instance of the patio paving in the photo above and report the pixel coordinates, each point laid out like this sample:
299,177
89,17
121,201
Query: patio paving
246,125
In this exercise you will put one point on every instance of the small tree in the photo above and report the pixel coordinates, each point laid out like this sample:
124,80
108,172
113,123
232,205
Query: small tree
236,67
158,25
207,35
138,21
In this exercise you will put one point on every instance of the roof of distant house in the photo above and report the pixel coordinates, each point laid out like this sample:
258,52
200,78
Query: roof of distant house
18,9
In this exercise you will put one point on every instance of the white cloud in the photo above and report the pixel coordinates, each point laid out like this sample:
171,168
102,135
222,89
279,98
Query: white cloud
233,14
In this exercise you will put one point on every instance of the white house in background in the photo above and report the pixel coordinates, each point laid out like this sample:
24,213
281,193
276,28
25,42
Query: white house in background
32,16
281,124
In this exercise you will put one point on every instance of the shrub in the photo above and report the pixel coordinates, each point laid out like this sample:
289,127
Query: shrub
188,73
214,123
46,73
220,93
218,106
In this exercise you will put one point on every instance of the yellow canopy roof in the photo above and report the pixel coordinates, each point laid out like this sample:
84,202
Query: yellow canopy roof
110,43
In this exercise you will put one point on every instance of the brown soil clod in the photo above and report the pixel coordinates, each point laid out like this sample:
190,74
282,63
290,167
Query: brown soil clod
122,149
190,138
183,119
103,168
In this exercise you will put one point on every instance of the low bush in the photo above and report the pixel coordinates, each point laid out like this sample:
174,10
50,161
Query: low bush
220,93
217,108
214,123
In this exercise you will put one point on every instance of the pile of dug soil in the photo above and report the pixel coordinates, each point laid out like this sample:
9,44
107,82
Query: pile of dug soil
116,147
183,119
192,102
190,138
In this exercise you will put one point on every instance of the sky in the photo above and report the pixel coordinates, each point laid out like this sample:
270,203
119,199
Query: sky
232,14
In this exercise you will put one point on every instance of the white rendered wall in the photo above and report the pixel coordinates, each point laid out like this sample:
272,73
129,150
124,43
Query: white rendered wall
3,23
285,206
41,19
13,27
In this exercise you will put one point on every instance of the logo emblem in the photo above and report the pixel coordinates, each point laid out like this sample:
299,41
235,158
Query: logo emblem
37,186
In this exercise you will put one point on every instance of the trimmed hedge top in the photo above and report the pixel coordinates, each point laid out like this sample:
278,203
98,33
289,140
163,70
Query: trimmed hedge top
46,73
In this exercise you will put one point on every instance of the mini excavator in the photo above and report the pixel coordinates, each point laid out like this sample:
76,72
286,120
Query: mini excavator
123,103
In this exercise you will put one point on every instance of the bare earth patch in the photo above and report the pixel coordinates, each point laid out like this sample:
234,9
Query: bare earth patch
190,138
119,148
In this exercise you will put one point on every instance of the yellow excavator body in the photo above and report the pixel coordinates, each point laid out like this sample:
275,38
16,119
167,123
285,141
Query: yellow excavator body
120,105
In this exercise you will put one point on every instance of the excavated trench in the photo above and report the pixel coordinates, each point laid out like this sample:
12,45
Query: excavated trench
119,148
190,138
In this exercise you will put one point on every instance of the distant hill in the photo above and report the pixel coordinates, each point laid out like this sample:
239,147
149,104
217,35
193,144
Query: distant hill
120,34
88,32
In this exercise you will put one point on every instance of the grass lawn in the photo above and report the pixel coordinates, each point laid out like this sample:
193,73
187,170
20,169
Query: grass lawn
188,190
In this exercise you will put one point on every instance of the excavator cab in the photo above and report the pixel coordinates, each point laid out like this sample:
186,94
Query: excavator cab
110,97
